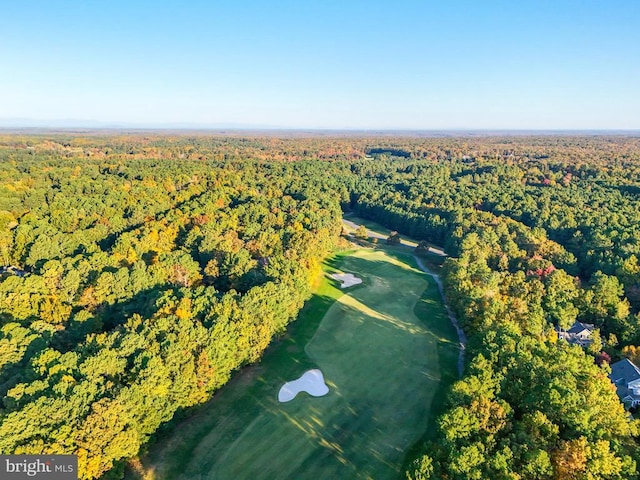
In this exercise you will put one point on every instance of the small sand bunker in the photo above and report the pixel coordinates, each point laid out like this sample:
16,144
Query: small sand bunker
311,382
347,279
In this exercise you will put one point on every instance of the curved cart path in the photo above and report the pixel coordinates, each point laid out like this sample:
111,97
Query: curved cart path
462,338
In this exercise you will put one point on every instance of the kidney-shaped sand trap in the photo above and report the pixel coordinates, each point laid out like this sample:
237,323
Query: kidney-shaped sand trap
347,279
311,382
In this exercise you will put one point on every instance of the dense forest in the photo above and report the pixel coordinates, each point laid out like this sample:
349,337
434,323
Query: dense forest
140,271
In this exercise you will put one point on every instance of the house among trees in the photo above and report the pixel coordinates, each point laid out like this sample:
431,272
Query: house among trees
579,334
625,375
11,270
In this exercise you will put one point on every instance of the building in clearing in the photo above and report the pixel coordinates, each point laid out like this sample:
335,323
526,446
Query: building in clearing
579,334
625,375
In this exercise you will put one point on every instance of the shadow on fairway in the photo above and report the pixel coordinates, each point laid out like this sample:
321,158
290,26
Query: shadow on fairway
448,349
337,429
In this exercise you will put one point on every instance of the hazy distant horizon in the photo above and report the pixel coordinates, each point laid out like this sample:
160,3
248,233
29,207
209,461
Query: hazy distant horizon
89,124
239,130
64,124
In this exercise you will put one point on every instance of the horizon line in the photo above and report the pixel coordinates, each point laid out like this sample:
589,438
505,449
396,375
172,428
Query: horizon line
350,130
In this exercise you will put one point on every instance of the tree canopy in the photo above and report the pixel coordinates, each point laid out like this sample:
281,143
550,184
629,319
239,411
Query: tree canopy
140,271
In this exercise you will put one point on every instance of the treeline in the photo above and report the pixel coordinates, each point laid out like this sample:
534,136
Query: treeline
607,152
529,406
592,214
144,286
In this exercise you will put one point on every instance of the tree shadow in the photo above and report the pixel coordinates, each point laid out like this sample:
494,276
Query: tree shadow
110,240
253,389
13,373
448,351
629,189
250,388
106,318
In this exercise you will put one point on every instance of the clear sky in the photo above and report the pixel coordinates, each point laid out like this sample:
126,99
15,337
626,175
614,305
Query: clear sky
393,64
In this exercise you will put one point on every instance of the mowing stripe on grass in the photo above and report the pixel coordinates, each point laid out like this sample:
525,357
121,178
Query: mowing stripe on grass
381,360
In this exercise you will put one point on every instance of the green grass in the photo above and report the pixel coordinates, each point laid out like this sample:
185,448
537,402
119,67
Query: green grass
431,260
377,228
386,349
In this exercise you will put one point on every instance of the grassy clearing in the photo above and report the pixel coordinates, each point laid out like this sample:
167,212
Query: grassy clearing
432,260
385,349
380,230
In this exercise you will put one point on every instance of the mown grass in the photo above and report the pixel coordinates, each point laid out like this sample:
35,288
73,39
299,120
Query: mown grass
431,260
385,348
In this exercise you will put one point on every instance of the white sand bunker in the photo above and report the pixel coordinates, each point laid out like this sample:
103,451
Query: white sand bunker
311,382
347,279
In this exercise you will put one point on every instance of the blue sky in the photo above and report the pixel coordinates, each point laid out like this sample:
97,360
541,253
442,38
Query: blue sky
324,64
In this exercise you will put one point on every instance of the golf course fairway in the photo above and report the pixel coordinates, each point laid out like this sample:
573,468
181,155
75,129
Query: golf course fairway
386,350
